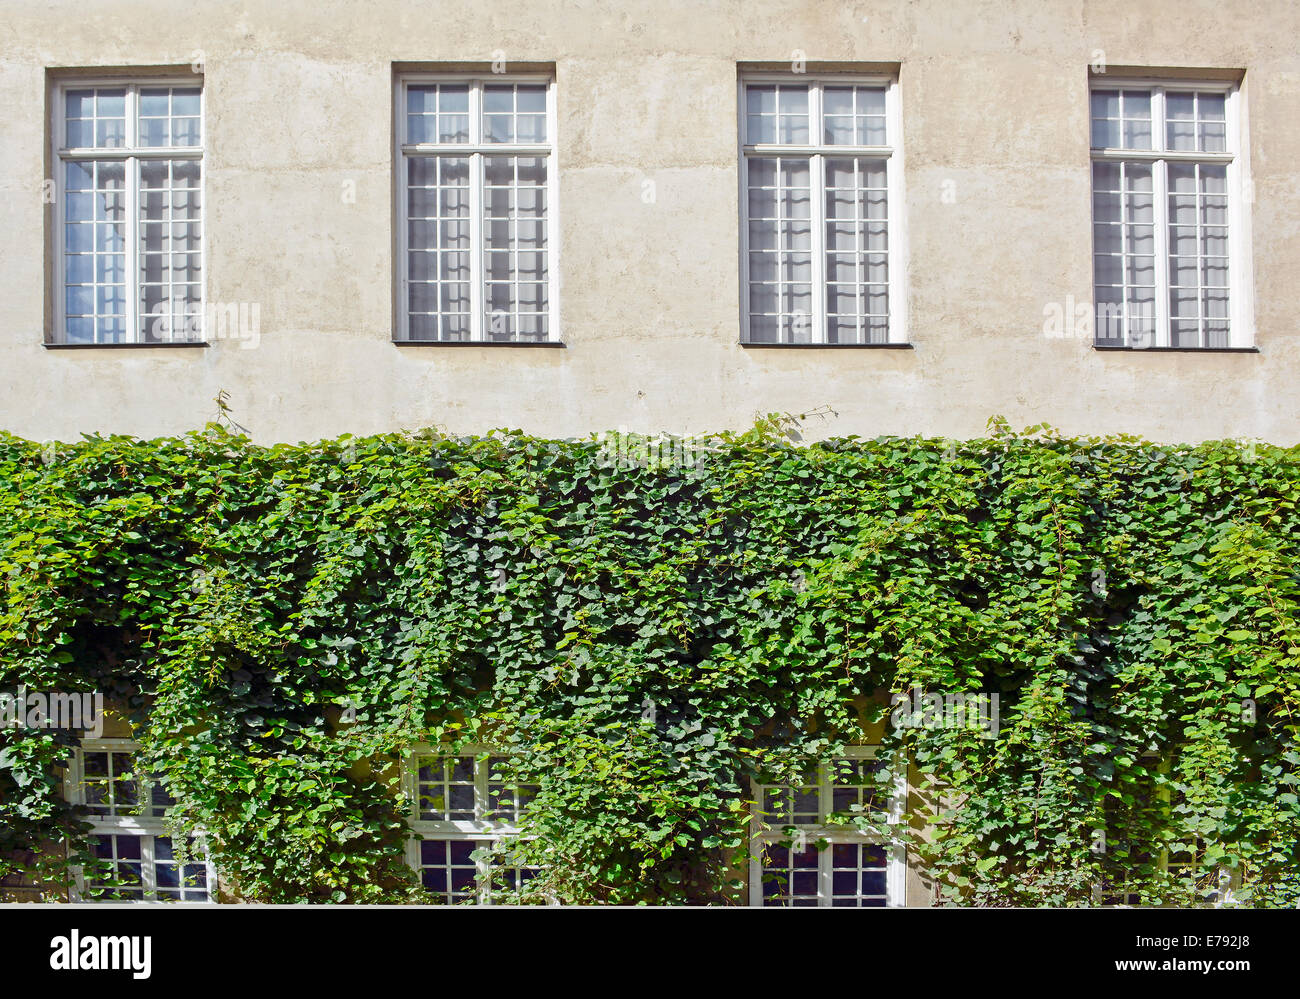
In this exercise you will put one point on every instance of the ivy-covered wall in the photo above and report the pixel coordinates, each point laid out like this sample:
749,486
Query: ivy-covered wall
280,623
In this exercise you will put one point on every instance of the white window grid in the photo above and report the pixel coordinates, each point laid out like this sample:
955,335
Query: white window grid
837,288
852,868
147,159
127,817
1170,179
458,805
497,220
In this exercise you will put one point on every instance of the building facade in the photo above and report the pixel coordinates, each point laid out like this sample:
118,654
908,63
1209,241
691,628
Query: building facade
674,216
710,211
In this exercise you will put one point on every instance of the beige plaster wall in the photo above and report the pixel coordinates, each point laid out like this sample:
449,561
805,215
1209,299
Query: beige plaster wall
994,98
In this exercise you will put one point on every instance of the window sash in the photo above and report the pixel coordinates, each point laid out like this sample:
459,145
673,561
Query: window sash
476,150
130,154
817,153
1160,158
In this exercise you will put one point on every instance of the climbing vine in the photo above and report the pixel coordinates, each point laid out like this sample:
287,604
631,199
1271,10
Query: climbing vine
646,627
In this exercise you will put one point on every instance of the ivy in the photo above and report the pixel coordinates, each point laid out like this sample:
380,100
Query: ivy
648,628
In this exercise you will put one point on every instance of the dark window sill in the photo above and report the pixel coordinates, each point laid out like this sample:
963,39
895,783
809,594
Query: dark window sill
125,346
1179,350
478,343
828,346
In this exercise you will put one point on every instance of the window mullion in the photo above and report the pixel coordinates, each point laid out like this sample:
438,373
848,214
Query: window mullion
131,190
478,291
817,244
478,303
817,215
1160,216
130,259
1159,127
148,868
1125,250
482,866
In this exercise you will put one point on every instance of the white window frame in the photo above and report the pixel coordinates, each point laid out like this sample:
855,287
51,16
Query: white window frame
130,153
762,835
475,150
144,826
480,830
891,154
1235,158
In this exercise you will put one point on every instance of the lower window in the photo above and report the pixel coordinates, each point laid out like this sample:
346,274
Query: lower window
464,815
141,861
805,854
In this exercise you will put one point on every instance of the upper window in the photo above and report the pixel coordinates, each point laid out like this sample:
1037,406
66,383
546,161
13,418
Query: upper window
476,194
463,815
1166,216
819,259
128,832
806,851
129,213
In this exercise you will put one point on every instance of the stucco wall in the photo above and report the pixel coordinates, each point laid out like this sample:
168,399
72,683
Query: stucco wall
994,98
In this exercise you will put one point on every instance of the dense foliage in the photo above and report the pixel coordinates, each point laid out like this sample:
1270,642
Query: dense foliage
279,623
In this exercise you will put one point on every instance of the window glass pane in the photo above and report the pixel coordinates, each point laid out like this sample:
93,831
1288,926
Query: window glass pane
1121,119
1198,255
445,789
1135,106
1195,121
123,880
1180,117
179,881
853,115
1105,119
447,869
514,113
95,118
777,113
169,116
790,876
858,875
1124,263
780,242
437,112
